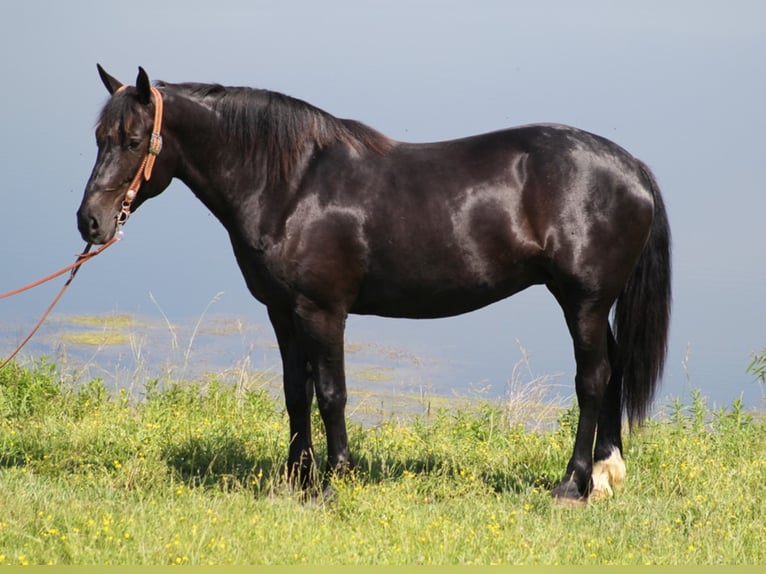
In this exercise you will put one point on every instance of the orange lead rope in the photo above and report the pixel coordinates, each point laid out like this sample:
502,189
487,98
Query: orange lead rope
143,174
81,258
73,268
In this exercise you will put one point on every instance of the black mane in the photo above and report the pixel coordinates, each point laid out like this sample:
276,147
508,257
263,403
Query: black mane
282,127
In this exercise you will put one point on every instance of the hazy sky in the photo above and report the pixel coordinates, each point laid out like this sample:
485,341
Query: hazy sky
680,84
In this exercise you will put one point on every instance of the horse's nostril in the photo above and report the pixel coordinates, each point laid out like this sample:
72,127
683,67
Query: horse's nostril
87,224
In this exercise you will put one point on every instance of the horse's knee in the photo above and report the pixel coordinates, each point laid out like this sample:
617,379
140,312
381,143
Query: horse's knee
332,399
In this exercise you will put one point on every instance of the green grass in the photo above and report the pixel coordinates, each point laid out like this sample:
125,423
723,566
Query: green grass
192,474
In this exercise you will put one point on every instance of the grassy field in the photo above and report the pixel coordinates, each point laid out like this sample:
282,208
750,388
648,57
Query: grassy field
191,473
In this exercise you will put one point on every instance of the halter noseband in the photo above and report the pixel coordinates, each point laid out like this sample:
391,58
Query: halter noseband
145,169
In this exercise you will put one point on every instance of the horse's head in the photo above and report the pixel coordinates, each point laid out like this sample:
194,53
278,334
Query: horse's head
123,137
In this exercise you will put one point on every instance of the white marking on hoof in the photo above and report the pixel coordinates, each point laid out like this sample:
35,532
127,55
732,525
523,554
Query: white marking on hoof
608,474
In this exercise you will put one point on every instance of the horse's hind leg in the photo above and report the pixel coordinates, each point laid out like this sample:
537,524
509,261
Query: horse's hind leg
587,320
608,465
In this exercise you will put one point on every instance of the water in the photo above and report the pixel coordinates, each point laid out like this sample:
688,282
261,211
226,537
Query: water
127,351
393,366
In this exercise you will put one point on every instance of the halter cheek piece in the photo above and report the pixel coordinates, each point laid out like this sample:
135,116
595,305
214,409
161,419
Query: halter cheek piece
145,169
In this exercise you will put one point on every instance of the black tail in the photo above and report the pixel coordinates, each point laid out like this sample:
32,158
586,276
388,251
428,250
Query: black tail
642,315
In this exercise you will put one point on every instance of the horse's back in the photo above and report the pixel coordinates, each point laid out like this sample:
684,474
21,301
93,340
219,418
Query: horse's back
498,212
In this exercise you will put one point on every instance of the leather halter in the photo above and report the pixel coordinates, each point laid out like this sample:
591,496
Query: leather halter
144,172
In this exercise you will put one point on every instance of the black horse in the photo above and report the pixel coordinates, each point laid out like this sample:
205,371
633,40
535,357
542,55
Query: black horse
329,217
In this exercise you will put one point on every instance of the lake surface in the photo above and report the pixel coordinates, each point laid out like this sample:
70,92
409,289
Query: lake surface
392,365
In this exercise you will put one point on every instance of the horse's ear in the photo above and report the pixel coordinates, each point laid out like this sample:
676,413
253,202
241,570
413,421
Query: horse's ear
112,85
143,86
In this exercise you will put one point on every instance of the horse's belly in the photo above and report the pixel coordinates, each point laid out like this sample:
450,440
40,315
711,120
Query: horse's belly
430,300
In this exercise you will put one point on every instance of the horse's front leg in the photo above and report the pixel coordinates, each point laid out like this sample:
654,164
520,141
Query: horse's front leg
299,392
311,344
323,332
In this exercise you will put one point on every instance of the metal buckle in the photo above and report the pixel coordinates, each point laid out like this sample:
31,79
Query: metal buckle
122,217
155,144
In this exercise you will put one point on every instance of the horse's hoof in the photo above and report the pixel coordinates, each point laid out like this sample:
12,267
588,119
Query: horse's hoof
328,494
567,494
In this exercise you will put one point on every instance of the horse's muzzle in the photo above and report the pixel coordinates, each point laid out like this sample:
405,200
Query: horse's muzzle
95,229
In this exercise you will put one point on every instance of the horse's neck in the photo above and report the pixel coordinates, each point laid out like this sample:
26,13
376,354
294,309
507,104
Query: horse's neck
205,165
227,180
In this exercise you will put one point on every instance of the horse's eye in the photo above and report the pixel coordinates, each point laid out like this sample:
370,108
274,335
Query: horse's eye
134,144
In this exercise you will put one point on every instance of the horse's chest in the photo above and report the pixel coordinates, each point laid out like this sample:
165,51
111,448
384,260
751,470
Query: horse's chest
263,276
